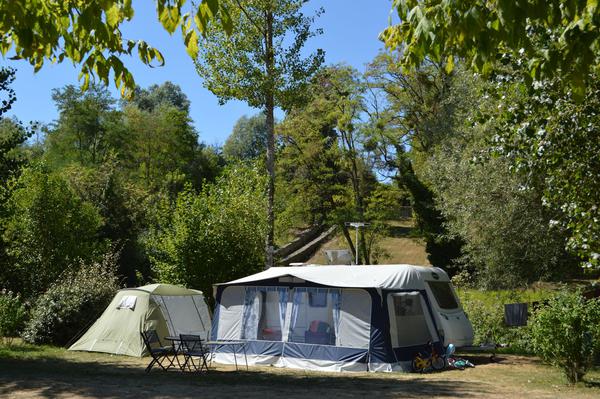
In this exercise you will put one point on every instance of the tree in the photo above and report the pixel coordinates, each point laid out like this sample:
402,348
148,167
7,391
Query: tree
260,63
7,77
164,146
89,129
248,140
410,112
480,31
89,33
48,228
212,236
156,95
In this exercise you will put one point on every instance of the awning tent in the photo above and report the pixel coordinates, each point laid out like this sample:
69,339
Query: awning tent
339,317
168,309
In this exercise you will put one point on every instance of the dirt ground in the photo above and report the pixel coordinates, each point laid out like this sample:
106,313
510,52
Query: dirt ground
64,374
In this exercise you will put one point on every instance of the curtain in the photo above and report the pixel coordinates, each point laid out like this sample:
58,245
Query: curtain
283,299
251,313
297,302
336,305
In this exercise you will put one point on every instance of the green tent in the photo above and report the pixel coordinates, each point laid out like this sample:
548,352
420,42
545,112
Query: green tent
168,309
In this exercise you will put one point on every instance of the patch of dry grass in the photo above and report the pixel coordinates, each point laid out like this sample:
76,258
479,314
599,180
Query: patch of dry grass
44,372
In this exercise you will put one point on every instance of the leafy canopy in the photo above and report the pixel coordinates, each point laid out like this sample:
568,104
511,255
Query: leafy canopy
89,33
478,30
234,66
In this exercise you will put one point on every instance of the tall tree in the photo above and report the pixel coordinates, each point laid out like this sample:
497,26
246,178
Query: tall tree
167,93
89,129
260,63
248,140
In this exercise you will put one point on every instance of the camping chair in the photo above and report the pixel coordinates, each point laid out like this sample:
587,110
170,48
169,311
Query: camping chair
191,347
160,354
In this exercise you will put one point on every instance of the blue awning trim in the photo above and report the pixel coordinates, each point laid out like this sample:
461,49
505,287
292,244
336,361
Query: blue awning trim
265,348
325,352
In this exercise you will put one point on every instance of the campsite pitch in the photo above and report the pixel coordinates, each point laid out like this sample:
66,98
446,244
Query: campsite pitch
48,372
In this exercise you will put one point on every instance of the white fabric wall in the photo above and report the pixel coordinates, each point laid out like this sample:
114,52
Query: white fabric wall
231,313
184,314
355,319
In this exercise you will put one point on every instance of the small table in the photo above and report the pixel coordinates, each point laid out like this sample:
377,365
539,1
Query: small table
177,348
234,345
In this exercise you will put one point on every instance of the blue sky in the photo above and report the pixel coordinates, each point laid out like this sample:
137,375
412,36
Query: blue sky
350,30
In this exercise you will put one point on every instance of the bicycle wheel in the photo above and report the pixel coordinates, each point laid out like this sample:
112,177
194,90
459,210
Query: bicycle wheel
417,365
438,363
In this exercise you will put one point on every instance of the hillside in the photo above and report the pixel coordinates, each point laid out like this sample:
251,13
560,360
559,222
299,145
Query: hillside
401,246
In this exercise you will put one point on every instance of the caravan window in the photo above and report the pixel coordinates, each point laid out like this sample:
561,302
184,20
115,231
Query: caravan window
410,322
443,294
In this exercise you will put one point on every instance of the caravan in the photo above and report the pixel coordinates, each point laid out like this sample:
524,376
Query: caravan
338,318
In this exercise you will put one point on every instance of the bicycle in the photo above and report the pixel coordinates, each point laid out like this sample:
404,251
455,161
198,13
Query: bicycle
429,361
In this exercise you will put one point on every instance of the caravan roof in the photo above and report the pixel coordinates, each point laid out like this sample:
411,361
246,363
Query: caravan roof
383,277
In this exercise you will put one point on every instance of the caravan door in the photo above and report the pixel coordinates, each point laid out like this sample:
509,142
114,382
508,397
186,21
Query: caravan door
410,320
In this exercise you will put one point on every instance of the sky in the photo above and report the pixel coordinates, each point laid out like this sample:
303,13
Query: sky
350,36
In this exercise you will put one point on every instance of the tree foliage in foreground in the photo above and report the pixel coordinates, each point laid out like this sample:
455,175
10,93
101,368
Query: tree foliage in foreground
478,30
89,33
212,236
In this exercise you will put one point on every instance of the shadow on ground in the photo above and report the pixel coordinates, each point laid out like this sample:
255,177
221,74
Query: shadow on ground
51,377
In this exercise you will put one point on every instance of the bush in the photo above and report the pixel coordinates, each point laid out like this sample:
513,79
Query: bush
12,315
72,302
565,333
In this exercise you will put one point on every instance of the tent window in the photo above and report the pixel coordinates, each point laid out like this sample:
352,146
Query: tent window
443,294
264,313
127,302
315,316
317,299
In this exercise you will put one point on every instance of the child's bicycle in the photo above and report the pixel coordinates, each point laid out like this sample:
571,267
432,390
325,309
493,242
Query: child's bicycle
428,361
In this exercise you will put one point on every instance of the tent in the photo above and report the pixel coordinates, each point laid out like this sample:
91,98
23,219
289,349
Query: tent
338,318
168,309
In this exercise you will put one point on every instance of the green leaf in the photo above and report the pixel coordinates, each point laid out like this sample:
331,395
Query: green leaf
113,15
191,44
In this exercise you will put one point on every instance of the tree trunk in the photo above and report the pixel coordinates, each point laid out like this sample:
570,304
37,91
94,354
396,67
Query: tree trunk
269,111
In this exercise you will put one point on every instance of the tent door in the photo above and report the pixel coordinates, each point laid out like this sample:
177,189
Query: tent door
410,320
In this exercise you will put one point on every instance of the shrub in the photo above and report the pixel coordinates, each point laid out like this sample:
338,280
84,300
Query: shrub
72,302
12,315
565,333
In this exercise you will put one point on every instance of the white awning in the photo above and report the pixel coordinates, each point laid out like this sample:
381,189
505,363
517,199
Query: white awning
380,276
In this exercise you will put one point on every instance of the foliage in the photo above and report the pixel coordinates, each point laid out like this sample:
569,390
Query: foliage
12,159
89,129
164,146
48,227
212,236
565,333
72,302
555,138
89,33
236,67
248,140
165,94
12,314
7,77
261,63
475,30
123,209
498,216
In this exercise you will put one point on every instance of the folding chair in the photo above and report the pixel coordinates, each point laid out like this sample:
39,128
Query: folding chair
191,346
161,355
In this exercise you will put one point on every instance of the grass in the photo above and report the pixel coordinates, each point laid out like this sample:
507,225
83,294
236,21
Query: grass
48,372
400,246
